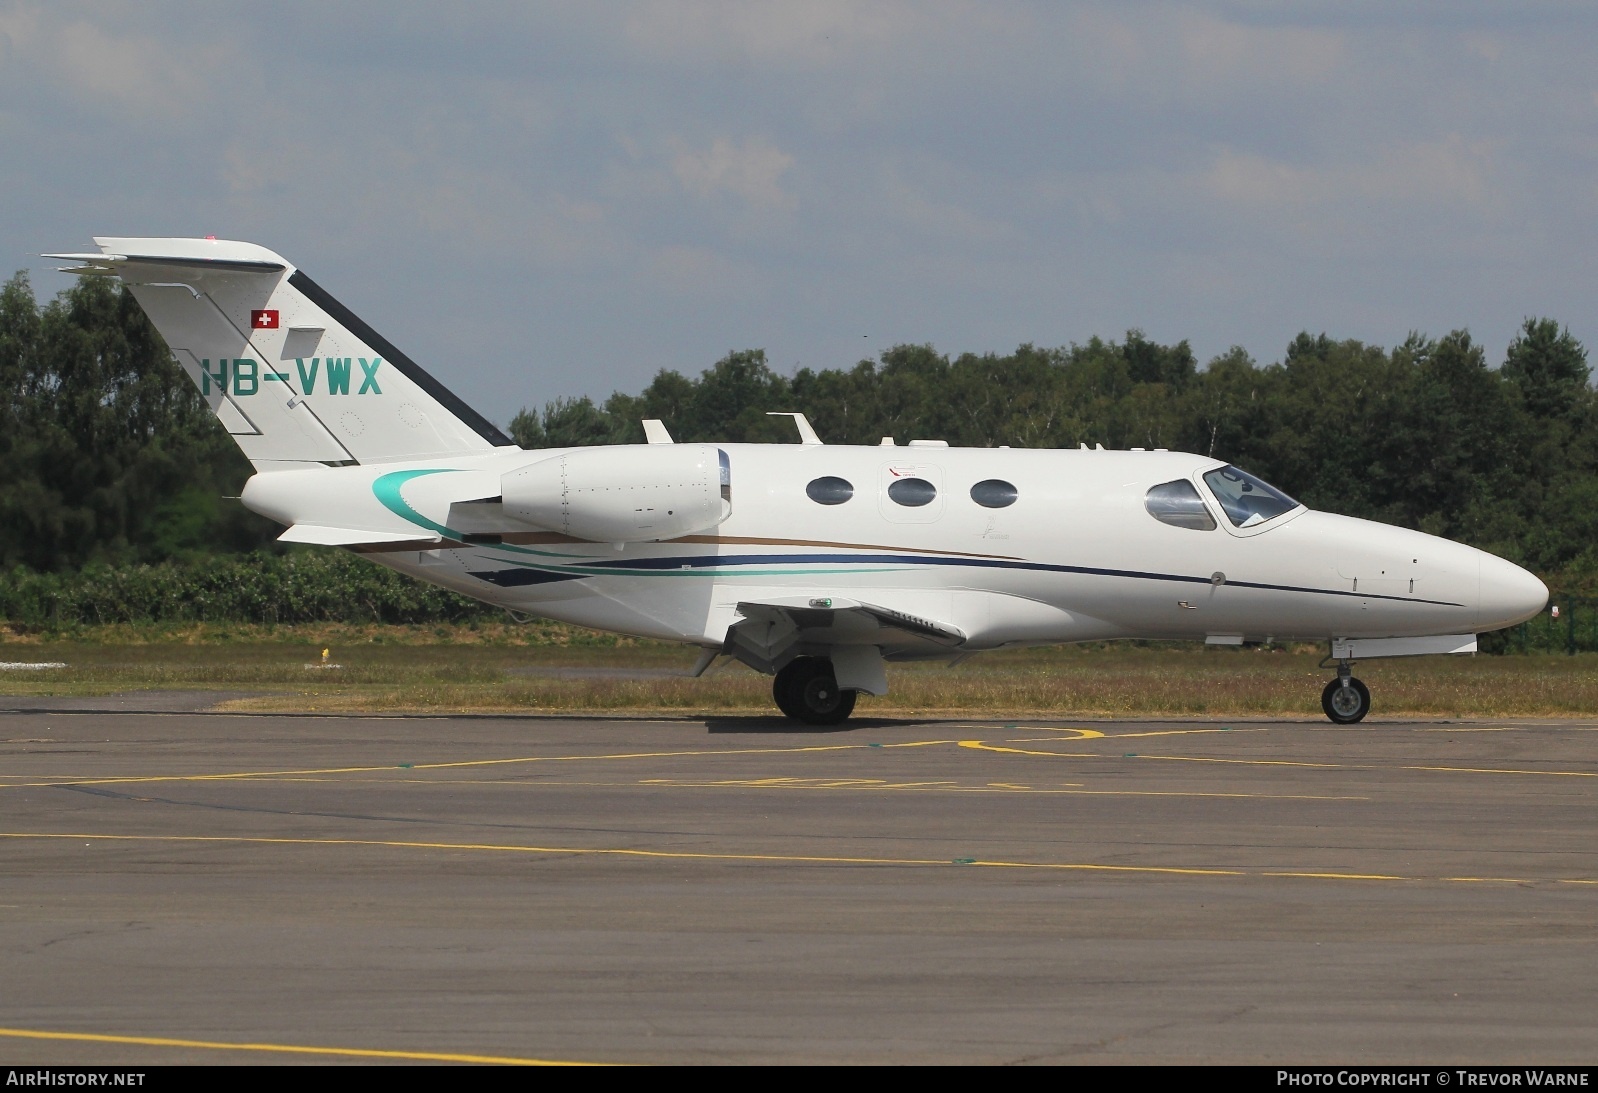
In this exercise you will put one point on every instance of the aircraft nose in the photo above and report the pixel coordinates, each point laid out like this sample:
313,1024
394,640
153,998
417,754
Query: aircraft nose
1509,594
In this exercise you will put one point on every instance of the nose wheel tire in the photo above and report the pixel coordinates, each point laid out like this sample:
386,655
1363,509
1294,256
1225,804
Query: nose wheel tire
1346,700
807,691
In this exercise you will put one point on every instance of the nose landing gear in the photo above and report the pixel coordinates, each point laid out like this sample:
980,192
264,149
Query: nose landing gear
806,690
1345,699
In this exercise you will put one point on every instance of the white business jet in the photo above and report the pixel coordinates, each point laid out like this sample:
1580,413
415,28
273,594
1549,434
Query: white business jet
813,562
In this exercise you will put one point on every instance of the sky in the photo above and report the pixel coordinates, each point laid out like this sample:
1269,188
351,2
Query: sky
548,200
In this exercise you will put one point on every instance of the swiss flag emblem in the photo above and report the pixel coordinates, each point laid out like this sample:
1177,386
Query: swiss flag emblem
263,320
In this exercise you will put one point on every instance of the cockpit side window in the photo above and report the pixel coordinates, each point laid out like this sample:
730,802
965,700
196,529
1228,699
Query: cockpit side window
1247,500
1179,504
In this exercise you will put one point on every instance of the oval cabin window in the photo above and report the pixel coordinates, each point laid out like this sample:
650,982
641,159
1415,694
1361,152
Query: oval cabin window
829,490
994,493
912,493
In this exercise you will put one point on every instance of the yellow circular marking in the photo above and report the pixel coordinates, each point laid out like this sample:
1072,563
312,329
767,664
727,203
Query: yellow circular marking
289,1049
979,745
1180,732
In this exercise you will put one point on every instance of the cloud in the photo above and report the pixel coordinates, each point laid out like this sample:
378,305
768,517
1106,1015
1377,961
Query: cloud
108,68
701,272
817,32
750,171
1452,171
645,182
1222,53
1165,53
939,220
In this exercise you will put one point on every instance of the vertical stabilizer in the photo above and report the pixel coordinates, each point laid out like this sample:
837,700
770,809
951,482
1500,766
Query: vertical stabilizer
293,374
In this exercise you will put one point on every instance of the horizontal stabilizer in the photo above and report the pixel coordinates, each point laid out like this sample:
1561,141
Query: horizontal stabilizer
317,535
108,263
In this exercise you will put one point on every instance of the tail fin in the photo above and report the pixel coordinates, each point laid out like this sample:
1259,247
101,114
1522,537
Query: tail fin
292,373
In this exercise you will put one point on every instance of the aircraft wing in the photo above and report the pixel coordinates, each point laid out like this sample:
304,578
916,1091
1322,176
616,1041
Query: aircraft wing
773,632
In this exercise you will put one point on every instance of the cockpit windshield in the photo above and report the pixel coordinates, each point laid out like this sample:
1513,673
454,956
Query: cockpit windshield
1245,499
1179,504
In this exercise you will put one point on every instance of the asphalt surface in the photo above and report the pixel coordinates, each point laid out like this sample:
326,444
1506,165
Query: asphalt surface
176,884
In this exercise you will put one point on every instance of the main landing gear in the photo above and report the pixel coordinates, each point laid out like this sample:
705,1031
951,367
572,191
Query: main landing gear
806,690
1345,699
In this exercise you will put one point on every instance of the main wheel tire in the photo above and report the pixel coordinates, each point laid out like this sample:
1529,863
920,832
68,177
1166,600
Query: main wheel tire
1346,704
806,690
785,689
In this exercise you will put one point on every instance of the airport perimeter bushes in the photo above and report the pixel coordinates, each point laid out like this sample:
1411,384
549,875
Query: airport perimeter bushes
260,588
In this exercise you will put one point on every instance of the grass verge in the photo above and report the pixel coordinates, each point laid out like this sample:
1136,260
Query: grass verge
508,669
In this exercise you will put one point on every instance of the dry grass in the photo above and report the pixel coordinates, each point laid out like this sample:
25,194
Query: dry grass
535,633
478,671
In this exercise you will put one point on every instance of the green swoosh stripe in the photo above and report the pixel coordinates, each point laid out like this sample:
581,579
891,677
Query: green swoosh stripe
387,491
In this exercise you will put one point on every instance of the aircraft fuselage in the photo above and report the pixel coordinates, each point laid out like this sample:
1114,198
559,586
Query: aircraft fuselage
1076,556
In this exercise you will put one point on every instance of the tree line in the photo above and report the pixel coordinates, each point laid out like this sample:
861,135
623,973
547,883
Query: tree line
108,454
1426,435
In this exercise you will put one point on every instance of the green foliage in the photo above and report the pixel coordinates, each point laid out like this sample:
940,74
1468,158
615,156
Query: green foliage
1425,435
301,587
1549,368
110,461
565,423
108,452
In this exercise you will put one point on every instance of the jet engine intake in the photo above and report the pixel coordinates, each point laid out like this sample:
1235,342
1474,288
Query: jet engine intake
632,494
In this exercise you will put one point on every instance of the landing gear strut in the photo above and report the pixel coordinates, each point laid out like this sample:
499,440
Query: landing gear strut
807,691
1345,699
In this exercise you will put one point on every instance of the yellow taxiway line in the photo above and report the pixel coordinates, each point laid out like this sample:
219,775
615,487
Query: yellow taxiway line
791,859
245,775
287,1049
1079,734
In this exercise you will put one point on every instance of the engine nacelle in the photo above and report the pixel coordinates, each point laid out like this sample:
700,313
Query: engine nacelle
631,494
